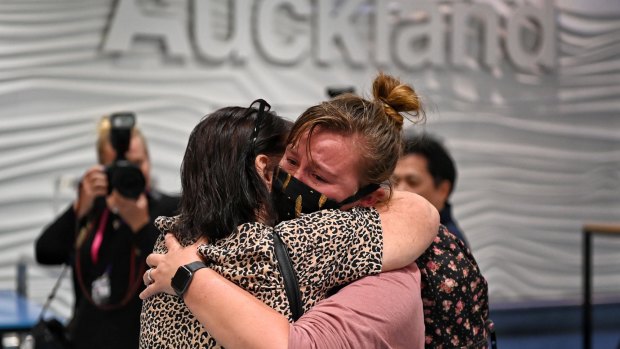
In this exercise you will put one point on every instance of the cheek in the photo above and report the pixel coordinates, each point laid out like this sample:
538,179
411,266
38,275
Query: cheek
286,166
425,190
330,192
339,192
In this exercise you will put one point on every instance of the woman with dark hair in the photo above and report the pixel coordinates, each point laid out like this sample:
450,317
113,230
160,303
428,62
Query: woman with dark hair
227,163
327,248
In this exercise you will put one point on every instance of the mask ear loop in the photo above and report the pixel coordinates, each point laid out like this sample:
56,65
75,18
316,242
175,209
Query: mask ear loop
360,193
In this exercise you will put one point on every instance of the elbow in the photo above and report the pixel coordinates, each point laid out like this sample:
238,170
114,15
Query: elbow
43,254
39,254
429,229
428,214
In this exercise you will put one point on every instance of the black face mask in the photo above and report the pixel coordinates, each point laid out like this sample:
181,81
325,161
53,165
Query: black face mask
292,197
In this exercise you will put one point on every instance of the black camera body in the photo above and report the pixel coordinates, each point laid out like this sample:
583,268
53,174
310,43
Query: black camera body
123,176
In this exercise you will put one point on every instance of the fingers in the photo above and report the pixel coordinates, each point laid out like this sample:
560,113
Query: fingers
149,291
146,277
171,242
154,259
142,202
156,282
112,203
134,212
95,181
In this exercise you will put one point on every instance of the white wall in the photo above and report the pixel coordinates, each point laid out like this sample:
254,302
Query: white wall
536,138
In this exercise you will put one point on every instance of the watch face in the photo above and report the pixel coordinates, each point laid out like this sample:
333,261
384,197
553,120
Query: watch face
180,281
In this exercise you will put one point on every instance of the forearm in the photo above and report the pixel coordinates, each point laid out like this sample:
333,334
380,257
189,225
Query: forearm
380,311
410,223
233,316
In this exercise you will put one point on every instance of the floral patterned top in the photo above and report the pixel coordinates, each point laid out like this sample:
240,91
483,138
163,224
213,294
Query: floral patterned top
454,295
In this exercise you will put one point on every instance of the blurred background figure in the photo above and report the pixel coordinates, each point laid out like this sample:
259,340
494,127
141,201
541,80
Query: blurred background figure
426,168
106,234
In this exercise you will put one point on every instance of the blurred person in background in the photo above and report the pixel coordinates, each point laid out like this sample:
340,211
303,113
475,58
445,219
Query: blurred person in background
105,236
426,168
454,291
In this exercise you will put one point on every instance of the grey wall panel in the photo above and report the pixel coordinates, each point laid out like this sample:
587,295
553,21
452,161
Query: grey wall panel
538,152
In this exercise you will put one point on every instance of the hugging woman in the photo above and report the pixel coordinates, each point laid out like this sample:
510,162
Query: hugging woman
339,153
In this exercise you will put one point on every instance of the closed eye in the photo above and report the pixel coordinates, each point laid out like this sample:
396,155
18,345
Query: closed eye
291,161
412,181
319,178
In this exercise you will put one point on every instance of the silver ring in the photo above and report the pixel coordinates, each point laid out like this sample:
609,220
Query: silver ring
115,210
148,276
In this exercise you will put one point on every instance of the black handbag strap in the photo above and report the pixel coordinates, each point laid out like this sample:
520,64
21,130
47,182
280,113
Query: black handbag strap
291,285
52,294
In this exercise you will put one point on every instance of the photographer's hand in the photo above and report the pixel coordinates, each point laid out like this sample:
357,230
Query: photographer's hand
133,212
94,183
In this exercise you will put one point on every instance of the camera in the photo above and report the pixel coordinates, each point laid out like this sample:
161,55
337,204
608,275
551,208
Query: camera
122,175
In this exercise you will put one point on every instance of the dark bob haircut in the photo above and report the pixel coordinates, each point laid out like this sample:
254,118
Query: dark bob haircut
220,186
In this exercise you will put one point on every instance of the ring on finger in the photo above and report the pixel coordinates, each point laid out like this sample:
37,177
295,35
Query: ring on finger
148,276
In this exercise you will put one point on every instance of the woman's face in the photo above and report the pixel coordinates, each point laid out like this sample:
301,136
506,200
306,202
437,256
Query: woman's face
332,168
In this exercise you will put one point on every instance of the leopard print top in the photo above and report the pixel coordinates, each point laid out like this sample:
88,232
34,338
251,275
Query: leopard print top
327,249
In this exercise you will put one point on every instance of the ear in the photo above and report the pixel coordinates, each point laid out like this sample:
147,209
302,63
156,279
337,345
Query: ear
444,190
263,168
373,198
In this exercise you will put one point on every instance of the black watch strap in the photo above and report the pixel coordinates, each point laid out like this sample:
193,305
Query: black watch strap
184,275
194,266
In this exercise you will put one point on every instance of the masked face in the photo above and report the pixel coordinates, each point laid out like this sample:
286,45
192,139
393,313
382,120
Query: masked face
292,197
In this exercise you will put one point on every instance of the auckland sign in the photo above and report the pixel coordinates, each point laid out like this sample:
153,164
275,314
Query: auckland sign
412,34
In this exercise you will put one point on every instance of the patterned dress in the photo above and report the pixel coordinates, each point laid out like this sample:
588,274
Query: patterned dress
454,295
327,249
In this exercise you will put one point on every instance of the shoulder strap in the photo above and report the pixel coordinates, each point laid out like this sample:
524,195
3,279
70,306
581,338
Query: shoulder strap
291,285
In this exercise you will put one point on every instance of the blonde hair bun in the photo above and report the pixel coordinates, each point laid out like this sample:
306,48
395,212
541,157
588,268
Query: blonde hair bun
396,98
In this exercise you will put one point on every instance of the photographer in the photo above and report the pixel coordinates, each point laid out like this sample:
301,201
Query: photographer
106,234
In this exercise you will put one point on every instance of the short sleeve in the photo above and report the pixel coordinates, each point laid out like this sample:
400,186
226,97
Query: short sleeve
382,311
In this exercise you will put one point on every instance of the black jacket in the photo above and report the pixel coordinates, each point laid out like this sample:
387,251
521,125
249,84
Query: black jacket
122,254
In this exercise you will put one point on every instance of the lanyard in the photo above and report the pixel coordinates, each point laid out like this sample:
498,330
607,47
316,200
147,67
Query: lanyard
98,239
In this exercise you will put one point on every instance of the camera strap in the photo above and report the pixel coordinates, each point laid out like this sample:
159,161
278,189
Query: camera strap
98,239
135,281
52,294
135,274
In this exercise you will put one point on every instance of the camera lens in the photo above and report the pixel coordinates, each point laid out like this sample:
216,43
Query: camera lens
126,178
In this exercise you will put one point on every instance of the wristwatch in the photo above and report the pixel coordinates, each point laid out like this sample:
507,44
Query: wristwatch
183,277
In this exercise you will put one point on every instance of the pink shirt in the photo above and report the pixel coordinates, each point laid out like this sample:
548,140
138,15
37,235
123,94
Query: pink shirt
382,311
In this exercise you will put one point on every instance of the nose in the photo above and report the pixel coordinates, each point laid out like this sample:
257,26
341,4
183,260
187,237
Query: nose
299,175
